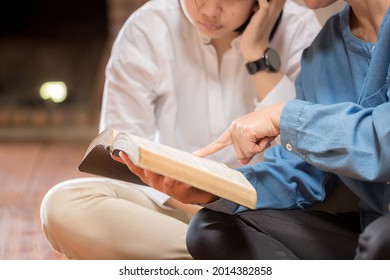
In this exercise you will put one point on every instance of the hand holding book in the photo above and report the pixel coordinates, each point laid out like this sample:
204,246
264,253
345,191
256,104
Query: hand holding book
178,190
182,175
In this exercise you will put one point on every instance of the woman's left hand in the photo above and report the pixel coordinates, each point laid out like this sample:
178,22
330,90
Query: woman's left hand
178,190
255,38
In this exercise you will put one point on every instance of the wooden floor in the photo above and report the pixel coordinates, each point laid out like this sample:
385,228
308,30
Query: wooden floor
27,171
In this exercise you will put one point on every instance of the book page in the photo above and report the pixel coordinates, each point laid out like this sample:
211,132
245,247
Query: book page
105,138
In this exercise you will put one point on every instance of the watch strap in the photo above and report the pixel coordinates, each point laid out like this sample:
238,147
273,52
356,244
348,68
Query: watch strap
256,66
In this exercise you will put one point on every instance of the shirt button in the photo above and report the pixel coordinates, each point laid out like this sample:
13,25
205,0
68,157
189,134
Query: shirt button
289,147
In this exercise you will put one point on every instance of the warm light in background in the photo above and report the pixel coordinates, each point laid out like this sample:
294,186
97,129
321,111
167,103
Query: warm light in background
54,91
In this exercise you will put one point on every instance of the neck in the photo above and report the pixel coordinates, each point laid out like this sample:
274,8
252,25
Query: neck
366,18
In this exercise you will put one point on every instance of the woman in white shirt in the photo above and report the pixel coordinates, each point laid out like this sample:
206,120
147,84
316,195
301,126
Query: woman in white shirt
177,75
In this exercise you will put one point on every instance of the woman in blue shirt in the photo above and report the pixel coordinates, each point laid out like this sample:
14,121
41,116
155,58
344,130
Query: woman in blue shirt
337,130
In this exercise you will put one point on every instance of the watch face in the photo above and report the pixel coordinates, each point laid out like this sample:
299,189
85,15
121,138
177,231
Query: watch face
272,59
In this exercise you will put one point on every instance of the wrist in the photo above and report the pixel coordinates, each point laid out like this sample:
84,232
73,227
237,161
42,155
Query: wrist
254,54
269,61
278,114
253,49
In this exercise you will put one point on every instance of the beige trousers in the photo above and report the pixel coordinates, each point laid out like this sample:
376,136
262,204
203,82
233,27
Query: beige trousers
93,218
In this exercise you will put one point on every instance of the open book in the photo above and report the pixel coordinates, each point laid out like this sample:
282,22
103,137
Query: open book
202,173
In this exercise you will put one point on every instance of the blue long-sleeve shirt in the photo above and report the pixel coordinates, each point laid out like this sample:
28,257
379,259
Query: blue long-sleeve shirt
339,126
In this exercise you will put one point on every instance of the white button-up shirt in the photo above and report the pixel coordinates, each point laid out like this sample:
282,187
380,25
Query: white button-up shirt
164,81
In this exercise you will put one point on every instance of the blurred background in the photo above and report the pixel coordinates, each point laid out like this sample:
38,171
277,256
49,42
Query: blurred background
52,60
52,57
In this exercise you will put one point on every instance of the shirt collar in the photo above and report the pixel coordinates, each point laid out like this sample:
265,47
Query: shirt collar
357,45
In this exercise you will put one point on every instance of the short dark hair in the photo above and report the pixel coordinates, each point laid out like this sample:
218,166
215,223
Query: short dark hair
241,29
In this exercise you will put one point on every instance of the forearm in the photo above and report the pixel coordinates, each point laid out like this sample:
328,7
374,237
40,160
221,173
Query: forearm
282,92
265,81
187,208
284,181
343,138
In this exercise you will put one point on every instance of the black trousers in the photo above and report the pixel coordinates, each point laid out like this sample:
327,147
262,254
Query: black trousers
286,234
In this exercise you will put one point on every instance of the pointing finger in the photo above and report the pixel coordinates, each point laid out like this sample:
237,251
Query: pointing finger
222,142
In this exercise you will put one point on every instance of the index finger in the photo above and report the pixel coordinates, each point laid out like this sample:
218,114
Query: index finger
222,142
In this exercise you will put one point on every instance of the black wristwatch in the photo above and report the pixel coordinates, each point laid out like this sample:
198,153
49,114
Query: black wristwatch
269,61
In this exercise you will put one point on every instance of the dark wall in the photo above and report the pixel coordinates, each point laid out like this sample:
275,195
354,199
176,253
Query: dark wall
50,40
53,18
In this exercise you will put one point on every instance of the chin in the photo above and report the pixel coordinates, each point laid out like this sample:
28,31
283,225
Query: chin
213,34
318,4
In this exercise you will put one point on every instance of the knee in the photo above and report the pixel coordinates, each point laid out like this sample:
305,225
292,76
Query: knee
207,235
196,235
56,203
374,242
53,203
